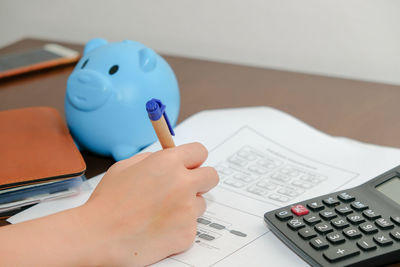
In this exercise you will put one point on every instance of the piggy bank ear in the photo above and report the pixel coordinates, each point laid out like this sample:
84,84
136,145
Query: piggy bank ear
147,59
129,42
94,43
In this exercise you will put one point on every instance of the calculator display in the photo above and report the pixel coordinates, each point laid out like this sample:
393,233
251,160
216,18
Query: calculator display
391,189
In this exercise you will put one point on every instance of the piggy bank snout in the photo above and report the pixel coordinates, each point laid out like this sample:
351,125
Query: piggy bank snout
88,90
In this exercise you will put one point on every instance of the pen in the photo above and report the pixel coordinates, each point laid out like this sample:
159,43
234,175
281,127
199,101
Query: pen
156,111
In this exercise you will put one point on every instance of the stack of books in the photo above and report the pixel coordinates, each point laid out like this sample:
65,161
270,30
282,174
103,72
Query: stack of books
39,159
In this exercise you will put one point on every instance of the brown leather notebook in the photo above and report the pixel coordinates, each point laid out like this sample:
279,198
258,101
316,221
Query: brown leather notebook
36,147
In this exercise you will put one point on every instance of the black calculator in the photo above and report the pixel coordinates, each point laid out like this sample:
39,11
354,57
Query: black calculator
354,227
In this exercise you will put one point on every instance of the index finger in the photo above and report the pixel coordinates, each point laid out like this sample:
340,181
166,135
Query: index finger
192,154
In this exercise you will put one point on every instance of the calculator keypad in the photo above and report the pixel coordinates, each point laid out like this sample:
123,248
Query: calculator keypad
355,218
284,215
358,205
366,245
299,210
335,238
343,209
311,219
328,214
339,223
368,228
341,226
395,219
339,253
345,197
317,206
383,240
323,228
295,224
384,223
319,243
352,232
371,215
395,234
307,233
331,201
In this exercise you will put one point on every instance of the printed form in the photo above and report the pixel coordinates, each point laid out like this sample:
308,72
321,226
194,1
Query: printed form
266,159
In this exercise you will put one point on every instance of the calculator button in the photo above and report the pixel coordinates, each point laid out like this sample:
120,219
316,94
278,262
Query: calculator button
315,206
340,253
371,215
335,238
331,201
395,219
307,233
283,215
323,228
358,205
319,243
368,228
328,214
366,245
395,234
339,223
345,197
311,219
383,240
384,224
352,232
299,210
343,210
295,224
355,218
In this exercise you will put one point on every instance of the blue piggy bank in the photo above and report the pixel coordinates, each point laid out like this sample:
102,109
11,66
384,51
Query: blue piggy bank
107,94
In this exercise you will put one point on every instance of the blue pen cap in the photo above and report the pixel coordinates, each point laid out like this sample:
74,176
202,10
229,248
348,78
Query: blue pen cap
155,109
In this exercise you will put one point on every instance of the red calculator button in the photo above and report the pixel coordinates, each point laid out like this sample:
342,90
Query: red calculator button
299,210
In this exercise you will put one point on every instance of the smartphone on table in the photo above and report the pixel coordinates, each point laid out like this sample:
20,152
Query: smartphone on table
49,55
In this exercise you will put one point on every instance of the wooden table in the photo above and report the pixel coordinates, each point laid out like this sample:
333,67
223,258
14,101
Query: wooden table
361,110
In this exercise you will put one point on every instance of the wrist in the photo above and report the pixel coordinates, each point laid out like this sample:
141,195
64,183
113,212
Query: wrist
90,239
106,243
77,241
99,239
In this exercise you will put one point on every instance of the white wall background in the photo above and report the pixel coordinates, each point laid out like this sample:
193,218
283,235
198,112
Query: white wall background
347,38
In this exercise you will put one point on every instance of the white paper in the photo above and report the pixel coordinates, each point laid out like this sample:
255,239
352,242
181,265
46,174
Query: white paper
297,162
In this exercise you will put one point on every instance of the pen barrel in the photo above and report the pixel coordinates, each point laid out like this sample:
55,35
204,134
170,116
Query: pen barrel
163,133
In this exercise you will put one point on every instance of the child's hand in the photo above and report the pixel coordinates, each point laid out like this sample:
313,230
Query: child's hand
145,208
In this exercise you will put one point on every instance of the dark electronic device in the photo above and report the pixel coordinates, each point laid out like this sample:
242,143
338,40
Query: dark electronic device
354,227
50,55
